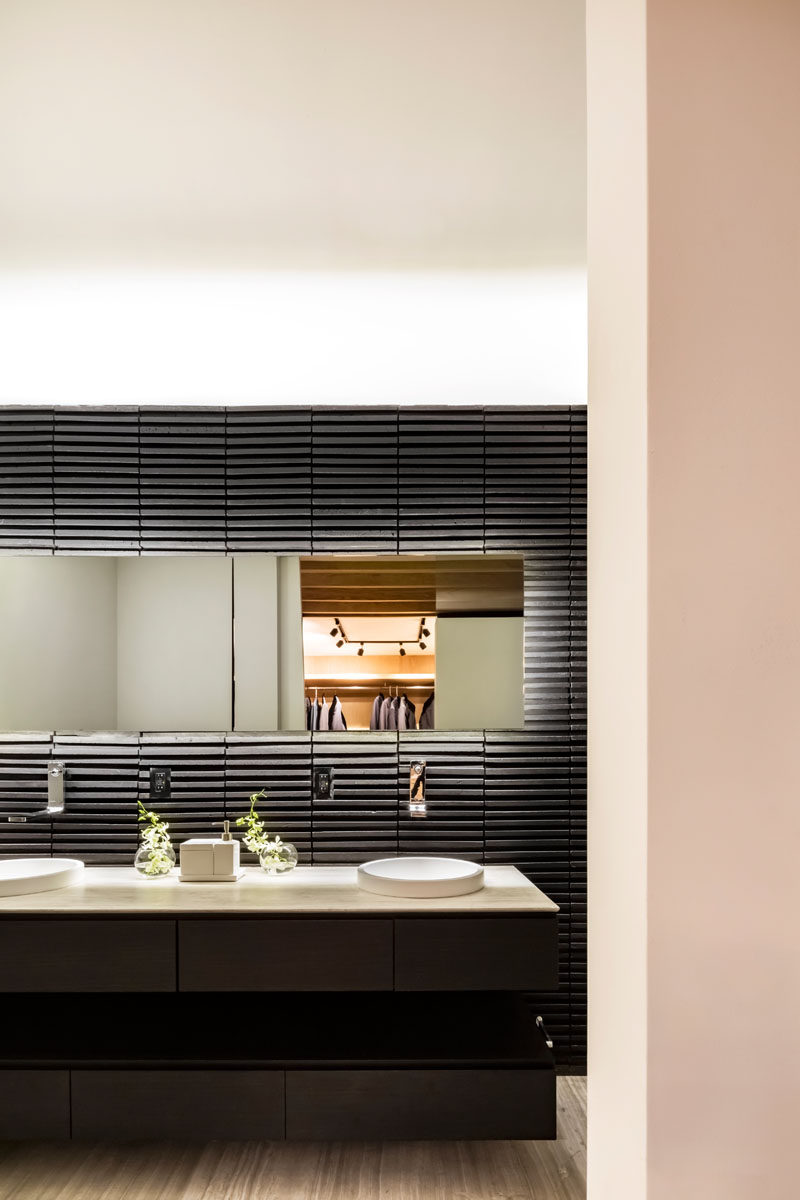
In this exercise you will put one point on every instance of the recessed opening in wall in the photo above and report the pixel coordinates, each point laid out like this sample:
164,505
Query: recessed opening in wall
413,642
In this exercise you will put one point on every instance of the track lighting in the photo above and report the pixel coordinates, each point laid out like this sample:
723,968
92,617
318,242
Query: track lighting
425,631
422,645
340,643
360,650
335,631
402,651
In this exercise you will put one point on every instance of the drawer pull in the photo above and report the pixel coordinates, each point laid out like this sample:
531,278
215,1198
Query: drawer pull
548,1041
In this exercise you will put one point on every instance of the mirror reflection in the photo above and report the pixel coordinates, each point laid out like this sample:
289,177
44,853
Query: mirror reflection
261,642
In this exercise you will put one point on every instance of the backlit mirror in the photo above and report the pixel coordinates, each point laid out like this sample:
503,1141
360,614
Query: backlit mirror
261,642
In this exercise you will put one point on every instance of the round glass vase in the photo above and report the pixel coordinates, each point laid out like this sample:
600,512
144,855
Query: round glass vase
278,859
153,864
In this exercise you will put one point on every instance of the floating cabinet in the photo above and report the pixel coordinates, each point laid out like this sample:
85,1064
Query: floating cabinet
34,1104
476,954
193,1105
107,955
413,1105
276,955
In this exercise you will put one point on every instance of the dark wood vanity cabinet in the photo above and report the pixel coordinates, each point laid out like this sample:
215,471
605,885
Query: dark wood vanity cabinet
435,954
376,1027
179,1104
105,954
332,954
406,954
279,954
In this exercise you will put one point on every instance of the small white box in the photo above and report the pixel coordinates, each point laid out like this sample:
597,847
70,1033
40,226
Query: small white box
197,857
226,858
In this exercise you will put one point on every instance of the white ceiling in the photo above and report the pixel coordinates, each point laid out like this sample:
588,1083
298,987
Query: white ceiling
293,134
292,201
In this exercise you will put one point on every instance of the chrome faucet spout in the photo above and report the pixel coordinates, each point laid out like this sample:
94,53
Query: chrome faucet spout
55,797
417,806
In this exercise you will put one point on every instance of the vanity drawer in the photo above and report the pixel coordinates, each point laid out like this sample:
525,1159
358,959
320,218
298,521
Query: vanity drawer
411,1105
476,954
192,1105
34,1104
271,954
87,956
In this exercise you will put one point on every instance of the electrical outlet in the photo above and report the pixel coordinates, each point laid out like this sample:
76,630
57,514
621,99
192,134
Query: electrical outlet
160,783
323,783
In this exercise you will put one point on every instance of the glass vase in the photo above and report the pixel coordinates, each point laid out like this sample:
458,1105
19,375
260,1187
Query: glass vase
278,859
153,864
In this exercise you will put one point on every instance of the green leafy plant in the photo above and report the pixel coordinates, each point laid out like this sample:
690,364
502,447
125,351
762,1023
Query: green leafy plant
156,840
256,837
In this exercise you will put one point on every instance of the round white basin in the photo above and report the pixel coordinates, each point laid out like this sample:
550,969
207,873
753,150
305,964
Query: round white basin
420,877
18,876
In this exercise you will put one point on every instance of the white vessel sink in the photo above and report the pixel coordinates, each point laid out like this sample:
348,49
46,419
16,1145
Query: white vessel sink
18,876
420,877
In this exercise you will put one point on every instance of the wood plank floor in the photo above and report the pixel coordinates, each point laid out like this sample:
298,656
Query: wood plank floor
308,1171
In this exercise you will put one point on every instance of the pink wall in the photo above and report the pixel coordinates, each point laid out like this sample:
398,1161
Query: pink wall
694,386
724,599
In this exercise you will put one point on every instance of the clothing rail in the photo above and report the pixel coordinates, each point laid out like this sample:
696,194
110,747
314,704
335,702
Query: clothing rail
372,688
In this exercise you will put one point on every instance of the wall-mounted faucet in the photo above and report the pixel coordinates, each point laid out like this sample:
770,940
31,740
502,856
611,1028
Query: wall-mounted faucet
416,789
55,796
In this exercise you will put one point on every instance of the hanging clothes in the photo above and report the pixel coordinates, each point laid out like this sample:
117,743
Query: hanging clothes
324,714
406,718
393,710
336,717
383,722
375,718
308,712
426,717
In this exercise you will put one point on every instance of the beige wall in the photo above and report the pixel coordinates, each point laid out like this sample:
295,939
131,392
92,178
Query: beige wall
617,600
479,666
58,628
713,425
174,643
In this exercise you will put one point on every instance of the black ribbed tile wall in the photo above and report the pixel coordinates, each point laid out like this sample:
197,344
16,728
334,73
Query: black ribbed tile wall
23,789
281,763
26,481
359,820
354,470
454,825
268,487
577,734
182,480
96,481
300,480
528,479
196,804
99,824
441,480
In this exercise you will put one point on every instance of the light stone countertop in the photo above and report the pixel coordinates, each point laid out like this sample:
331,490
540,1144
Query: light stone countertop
119,891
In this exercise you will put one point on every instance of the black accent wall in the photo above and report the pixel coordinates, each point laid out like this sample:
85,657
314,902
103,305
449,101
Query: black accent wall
327,480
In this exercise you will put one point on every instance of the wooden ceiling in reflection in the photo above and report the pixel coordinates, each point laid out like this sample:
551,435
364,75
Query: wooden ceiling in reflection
405,585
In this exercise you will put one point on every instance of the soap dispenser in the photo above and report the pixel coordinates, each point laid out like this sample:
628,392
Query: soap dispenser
211,860
226,853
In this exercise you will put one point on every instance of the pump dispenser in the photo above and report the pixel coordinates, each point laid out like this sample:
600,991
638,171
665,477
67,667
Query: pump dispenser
211,860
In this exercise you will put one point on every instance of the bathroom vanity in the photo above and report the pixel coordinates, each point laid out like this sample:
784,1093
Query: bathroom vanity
297,1008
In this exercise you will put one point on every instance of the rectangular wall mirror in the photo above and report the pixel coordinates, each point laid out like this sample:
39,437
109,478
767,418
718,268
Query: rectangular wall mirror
261,642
